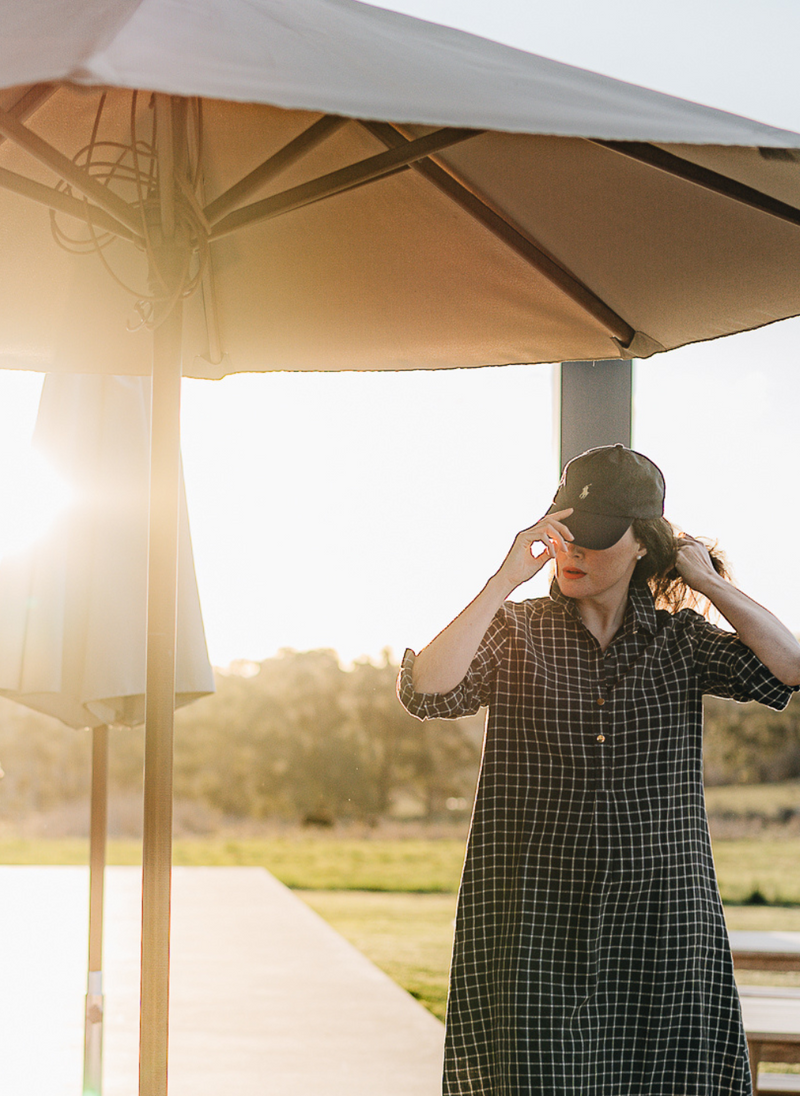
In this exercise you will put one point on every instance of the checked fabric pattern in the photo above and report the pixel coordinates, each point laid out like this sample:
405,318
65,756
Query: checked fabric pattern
591,956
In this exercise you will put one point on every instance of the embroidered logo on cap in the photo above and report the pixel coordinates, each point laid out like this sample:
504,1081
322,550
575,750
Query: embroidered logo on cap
585,491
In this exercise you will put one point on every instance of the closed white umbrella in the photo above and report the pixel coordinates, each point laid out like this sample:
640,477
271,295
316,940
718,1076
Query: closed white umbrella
73,639
73,607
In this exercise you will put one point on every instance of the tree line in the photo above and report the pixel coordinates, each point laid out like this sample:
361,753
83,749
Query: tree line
299,737
751,744
296,737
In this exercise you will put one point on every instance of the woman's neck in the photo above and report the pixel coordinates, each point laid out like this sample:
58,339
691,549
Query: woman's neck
603,615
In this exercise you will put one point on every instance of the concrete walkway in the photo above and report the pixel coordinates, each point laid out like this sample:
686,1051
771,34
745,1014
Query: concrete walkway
267,1000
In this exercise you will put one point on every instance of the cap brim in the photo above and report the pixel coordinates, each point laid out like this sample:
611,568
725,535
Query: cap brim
595,531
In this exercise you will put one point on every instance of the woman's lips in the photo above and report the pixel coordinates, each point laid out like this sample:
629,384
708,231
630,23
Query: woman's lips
573,572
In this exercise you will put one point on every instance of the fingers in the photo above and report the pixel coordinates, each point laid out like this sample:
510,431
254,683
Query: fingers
522,561
551,532
551,519
694,562
557,533
687,543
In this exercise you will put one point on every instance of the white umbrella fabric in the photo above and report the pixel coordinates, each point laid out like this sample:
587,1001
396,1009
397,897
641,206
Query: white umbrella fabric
327,185
73,607
73,639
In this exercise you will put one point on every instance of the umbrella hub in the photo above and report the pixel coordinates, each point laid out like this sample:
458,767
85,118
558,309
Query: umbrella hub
176,254
138,187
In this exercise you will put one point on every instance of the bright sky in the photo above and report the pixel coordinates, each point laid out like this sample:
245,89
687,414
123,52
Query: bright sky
358,511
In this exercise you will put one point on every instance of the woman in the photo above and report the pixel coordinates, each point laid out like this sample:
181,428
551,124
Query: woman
591,956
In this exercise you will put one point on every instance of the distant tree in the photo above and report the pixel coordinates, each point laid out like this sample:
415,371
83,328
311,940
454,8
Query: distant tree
44,762
751,744
432,761
301,737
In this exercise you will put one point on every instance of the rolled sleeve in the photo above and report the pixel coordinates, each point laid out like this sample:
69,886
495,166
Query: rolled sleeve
473,692
730,669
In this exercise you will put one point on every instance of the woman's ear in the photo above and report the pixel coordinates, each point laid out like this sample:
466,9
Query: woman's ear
642,551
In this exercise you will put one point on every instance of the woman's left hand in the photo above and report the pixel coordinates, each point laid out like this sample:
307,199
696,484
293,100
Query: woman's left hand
755,626
694,564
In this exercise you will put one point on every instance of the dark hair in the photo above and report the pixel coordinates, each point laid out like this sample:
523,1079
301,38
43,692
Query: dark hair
658,566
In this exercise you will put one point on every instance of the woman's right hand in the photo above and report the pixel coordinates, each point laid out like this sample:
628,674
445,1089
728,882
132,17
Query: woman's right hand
443,663
522,563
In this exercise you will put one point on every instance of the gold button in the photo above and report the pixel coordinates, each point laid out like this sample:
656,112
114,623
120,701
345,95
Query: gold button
601,738
601,701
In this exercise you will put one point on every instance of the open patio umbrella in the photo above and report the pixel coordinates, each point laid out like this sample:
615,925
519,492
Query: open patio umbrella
72,643
511,208
326,185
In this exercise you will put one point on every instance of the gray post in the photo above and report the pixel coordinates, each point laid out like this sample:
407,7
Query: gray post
595,406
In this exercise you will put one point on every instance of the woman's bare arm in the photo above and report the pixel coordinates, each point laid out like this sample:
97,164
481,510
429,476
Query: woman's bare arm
441,665
757,627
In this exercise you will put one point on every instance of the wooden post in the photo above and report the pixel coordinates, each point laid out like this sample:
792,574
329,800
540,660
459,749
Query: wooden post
168,268
160,704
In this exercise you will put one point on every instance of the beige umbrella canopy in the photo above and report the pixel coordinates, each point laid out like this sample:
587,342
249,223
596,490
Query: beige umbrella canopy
547,213
325,185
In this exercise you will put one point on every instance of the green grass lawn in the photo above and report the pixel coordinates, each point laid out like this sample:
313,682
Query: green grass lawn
767,800
409,936
310,862
432,866
769,867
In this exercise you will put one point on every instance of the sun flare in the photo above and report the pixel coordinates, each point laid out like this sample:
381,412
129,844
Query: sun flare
32,495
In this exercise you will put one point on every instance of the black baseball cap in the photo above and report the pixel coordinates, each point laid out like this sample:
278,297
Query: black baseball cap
607,489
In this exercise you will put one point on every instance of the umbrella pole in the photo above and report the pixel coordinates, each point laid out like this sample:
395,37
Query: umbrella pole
159,703
93,1026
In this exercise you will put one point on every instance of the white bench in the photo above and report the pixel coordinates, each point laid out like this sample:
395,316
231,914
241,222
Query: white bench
771,1013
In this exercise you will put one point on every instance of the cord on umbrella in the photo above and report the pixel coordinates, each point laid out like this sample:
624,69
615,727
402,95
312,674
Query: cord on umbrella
134,165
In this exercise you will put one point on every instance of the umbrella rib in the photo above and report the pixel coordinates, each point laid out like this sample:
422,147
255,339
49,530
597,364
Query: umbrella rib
29,102
346,178
491,217
63,203
714,181
216,352
278,162
44,152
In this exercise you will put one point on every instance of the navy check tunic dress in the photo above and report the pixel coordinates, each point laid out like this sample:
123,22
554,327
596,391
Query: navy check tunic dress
591,956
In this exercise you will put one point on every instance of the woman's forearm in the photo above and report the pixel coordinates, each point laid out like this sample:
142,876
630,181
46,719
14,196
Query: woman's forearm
758,629
441,665
756,626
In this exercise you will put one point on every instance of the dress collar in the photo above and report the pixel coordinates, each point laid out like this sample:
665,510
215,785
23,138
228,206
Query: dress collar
640,614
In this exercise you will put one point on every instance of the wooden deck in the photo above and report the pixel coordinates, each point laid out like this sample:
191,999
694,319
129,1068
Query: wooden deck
266,998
